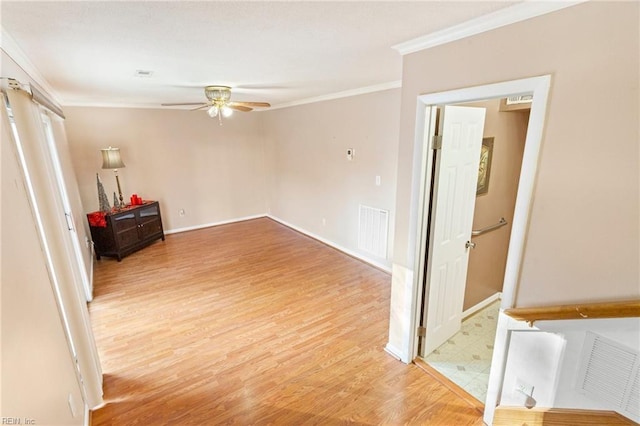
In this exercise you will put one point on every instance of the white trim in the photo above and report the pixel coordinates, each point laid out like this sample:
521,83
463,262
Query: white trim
92,256
87,415
393,351
402,279
500,18
482,304
119,105
209,225
539,86
338,247
331,96
13,50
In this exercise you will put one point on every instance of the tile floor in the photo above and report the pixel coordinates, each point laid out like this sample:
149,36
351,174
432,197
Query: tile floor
466,358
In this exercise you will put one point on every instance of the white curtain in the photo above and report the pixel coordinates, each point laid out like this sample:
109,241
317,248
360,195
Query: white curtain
63,265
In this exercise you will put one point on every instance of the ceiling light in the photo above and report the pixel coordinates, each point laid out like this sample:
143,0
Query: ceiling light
213,111
226,111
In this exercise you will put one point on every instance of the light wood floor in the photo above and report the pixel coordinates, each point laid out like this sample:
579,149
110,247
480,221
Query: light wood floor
253,323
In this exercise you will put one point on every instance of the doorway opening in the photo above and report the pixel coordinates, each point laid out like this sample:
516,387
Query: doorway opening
424,202
463,355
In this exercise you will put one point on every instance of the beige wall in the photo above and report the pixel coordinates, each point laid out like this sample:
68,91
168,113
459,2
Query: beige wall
582,242
290,163
487,261
184,159
310,177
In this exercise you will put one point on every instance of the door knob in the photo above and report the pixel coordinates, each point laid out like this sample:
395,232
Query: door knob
469,244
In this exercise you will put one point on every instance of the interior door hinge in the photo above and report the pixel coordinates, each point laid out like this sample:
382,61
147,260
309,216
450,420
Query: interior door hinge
436,142
422,331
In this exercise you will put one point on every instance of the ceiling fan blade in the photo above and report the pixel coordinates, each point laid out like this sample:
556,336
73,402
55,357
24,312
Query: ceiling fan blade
203,106
184,104
252,104
242,108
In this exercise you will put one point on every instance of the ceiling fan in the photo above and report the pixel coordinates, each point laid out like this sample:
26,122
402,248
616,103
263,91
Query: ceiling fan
219,103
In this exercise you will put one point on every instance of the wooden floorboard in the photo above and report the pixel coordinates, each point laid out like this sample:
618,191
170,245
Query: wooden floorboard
253,323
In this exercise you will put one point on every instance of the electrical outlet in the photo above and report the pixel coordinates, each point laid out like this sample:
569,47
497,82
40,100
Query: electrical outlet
182,213
324,222
350,154
72,405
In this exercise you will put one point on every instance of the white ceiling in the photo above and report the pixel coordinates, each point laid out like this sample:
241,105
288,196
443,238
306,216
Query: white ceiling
279,52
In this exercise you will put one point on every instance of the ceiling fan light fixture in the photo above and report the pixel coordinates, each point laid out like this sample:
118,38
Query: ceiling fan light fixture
218,93
213,111
226,111
219,104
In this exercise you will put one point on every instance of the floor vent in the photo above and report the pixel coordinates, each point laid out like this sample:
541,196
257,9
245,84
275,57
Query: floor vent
373,231
609,372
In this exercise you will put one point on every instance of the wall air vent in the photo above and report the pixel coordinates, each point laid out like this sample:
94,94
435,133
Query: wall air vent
373,231
610,373
522,99
633,402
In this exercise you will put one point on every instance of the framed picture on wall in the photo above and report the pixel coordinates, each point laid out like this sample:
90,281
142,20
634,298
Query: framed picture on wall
484,171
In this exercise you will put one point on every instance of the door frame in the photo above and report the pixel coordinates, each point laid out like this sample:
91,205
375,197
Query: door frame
425,128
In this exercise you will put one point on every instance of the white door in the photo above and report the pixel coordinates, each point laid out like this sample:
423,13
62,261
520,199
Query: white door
75,251
452,218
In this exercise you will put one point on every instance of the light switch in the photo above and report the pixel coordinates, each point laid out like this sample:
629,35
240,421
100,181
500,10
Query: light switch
377,180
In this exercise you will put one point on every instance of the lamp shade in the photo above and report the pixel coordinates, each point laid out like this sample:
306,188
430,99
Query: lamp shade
111,158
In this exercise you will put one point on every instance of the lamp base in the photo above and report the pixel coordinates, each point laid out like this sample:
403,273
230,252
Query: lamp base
119,190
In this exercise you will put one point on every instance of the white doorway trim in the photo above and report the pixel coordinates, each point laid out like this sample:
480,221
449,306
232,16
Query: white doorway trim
539,87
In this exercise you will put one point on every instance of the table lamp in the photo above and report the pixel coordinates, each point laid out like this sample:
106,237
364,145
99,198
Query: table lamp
111,160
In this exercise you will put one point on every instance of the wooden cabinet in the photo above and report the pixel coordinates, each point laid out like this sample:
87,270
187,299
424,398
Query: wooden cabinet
126,231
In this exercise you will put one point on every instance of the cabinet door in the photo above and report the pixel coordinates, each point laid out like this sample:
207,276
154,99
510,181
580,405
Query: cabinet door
125,229
149,221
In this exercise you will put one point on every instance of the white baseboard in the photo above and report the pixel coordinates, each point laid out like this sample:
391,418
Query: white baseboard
483,304
393,351
208,225
87,415
372,262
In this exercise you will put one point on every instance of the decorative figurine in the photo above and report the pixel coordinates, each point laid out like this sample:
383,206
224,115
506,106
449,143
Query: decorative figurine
102,197
116,203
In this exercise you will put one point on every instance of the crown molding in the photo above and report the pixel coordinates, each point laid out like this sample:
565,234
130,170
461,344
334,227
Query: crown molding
345,94
510,15
118,105
11,48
